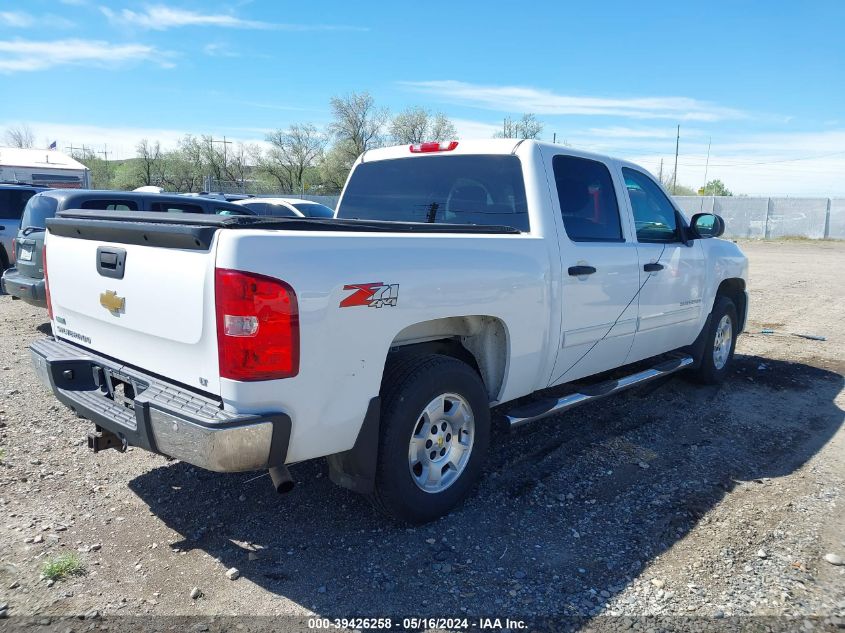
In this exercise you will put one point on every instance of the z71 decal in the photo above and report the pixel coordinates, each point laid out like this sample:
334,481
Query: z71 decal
373,295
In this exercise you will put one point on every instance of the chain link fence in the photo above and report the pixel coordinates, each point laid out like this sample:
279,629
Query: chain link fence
772,218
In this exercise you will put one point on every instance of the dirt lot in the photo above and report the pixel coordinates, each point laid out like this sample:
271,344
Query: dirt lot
671,499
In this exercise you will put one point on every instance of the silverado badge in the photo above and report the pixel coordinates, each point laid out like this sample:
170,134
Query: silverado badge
111,302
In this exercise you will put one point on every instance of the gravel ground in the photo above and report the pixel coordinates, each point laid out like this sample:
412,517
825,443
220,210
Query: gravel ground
673,499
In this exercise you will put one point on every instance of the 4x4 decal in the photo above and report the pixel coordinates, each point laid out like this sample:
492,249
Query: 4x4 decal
373,295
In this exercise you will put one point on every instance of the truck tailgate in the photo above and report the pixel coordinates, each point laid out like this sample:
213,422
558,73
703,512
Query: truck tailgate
145,306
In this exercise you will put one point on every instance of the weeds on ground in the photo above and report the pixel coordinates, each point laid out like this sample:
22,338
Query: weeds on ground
62,566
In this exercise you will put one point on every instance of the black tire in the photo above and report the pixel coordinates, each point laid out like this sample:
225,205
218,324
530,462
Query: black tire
409,385
707,372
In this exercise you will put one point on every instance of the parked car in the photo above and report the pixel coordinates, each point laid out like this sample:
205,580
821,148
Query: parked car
286,207
13,199
455,277
26,279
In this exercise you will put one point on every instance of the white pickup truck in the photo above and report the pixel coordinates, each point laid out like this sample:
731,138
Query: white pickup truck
454,277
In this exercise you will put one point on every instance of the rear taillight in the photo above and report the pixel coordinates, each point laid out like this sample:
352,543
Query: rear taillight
14,254
46,284
434,146
257,326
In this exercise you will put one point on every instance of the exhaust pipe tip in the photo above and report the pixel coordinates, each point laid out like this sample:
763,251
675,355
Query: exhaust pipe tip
282,481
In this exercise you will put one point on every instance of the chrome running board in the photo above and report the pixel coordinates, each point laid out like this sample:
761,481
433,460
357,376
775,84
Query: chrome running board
543,409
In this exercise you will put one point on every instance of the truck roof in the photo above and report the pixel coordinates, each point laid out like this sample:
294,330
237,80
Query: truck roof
480,146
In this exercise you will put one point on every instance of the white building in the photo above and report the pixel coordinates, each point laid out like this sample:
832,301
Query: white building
44,167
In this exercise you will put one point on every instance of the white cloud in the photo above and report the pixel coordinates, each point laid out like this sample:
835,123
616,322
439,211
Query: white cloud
537,101
29,55
17,19
216,49
20,19
775,163
468,129
160,17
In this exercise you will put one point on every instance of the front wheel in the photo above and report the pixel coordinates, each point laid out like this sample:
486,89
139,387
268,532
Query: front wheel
435,428
719,343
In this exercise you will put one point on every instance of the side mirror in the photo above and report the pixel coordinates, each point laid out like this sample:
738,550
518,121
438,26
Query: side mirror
706,225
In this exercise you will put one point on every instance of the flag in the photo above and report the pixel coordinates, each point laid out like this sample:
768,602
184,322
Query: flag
52,145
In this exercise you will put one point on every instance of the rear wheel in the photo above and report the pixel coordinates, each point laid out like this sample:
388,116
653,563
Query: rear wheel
435,428
719,343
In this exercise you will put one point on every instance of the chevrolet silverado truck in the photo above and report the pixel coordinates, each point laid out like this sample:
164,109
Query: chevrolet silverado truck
454,277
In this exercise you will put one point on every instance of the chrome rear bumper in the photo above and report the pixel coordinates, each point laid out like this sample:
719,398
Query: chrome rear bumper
162,417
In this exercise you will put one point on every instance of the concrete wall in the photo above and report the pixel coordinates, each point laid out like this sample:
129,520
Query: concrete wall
771,218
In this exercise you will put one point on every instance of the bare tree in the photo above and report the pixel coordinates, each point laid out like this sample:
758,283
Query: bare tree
526,127
20,136
150,163
358,124
442,129
292,151
416,125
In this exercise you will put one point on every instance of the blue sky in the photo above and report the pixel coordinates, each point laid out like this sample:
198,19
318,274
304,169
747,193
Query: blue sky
763,81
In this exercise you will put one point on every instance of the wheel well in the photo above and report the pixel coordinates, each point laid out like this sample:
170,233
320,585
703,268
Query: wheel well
4,259
734,289
479,341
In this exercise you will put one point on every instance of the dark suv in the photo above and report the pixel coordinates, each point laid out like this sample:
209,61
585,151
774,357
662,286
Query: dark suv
13,199
26,280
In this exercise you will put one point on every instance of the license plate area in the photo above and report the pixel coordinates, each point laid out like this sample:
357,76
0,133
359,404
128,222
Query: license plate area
118,387
25,254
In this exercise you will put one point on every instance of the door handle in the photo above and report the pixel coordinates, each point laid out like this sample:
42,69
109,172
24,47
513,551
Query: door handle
577,271
653,268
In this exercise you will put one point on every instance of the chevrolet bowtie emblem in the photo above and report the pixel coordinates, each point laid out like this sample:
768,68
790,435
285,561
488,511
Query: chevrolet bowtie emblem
111,302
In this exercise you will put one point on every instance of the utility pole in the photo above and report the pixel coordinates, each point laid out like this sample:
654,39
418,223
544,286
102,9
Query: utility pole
675,175
105,152
707,163
554,137
660,178
225,156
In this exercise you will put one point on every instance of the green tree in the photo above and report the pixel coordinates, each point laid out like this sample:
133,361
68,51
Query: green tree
101,171
716,188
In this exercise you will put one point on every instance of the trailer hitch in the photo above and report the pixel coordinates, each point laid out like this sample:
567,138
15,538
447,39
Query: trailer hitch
101,440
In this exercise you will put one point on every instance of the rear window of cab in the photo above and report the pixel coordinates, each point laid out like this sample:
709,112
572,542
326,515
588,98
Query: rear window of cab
485,190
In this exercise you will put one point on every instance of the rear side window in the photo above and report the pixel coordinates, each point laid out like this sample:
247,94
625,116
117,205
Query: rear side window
231,211
110,205
486,190
175,207
278,211
587,200
313,210
256,207
654,215
12,203
37,210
